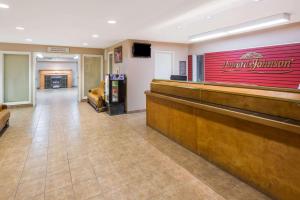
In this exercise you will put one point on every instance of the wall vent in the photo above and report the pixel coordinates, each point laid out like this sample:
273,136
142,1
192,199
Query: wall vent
58,50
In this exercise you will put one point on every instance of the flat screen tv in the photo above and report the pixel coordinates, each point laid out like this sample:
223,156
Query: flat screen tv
141,50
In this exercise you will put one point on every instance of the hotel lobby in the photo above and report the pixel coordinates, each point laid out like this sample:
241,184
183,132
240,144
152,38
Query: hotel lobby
150,100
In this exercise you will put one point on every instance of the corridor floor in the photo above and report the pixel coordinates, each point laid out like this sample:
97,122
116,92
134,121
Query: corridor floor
62,149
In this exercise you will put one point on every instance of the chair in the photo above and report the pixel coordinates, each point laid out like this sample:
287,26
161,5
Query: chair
4,116
96,97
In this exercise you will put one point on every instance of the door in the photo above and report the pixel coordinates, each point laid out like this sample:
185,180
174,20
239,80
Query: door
163,65
16,78
92,73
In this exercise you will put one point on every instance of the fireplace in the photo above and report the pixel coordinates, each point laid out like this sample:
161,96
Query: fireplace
56,81
53,79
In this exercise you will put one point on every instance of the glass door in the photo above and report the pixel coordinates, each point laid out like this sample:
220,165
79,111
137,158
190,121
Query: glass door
16,78
91,73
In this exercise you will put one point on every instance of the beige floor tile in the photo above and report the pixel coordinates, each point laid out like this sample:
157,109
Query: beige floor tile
65,193
57,167
7,192
33,173
57,181
87,189
82,173
30,189
90,155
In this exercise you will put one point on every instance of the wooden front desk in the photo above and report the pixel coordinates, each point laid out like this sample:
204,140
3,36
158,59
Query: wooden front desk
252,132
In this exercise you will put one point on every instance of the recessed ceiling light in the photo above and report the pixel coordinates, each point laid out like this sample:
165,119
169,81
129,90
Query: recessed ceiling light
20,28
259,24
28,39
256,0
39,55
76,57
2,5
95,35
85,44
111,21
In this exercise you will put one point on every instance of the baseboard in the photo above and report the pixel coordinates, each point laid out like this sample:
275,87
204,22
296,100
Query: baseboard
20,106
136,111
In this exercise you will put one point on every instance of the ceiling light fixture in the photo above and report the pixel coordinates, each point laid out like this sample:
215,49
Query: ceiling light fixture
39,55
20,28
263,23
2,5
76,57
111,21
28,39
95,35
85,44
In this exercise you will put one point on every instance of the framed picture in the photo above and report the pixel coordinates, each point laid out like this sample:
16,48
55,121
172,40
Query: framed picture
118,55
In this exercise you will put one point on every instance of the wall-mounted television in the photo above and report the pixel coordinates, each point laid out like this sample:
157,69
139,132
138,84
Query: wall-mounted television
141,50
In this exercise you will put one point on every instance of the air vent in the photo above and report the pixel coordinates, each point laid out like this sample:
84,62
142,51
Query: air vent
58,50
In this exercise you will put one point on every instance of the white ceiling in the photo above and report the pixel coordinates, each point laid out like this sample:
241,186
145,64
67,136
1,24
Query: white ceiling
72,22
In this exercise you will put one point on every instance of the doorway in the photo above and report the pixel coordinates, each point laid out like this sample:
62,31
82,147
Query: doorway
56,78
164,61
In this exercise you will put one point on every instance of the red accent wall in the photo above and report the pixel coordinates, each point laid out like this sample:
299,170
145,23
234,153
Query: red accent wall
285,77
190,67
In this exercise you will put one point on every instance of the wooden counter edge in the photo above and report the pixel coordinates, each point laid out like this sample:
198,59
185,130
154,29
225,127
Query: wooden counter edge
235,93
248,117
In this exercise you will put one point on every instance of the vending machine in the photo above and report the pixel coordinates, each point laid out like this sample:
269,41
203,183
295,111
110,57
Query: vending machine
115,93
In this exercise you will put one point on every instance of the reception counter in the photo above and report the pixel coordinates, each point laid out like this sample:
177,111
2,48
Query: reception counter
252,132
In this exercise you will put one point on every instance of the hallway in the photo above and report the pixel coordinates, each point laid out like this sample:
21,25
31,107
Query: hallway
65,150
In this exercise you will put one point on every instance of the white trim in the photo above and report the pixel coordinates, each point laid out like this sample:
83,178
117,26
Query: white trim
2,77
18,103
82,71
55,55
108,62
173,60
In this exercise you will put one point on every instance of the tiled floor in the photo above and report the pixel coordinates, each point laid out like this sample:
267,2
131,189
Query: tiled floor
65,150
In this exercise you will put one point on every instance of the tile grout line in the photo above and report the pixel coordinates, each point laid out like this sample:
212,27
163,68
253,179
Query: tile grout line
71,175
46,168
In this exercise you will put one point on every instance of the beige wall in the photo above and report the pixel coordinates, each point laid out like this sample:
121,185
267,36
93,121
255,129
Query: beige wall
140,71
280,35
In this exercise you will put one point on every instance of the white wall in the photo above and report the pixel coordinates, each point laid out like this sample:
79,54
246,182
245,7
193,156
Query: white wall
58,66
280,35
